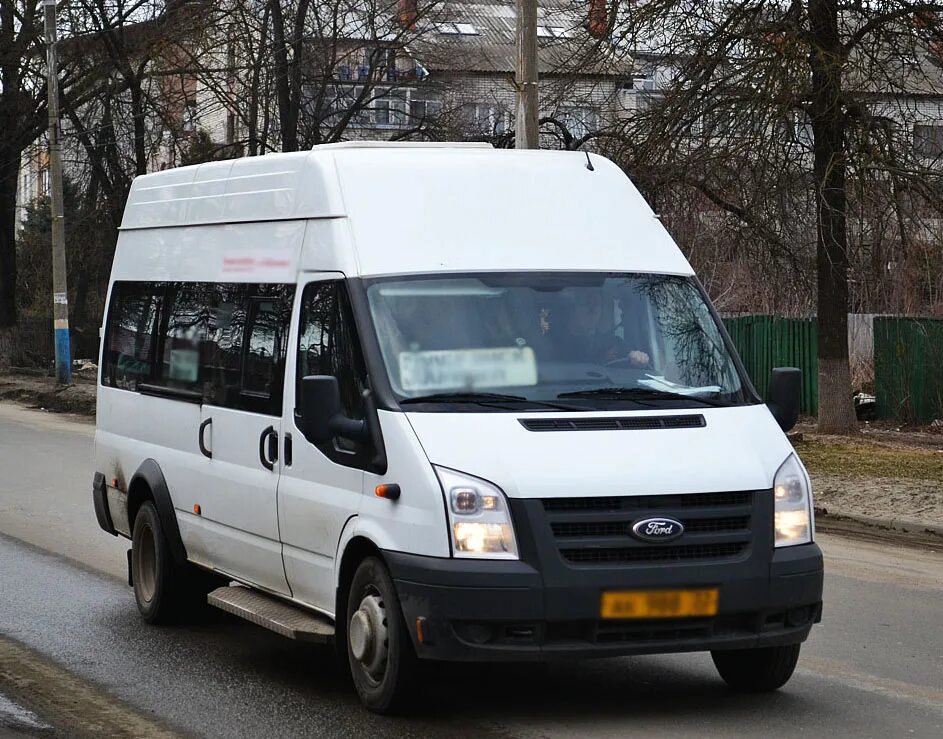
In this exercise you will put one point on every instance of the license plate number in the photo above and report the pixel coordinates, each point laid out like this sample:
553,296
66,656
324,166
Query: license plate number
659,603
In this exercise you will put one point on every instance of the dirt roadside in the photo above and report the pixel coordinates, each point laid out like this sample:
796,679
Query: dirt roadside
38,391
884,483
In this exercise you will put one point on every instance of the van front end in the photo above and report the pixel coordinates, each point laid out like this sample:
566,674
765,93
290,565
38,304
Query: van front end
612,483
580,563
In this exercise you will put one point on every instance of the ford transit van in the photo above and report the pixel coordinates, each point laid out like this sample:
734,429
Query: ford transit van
444,402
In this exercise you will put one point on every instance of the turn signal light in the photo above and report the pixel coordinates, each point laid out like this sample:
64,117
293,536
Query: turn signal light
197,510
390,491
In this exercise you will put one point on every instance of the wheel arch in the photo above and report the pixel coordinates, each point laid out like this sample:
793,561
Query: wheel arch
355,551
148,483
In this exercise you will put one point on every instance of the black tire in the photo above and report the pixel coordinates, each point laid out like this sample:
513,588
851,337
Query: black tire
757,670
165,591
384,670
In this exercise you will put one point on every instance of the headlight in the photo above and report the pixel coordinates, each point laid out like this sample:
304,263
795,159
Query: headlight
792,504
479,519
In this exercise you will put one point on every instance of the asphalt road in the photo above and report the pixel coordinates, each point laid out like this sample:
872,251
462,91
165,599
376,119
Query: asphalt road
74,650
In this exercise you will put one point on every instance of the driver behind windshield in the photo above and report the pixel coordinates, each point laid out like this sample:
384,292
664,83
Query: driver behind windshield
586,333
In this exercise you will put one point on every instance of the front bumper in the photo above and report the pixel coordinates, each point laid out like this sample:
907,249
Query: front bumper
544,608
501,611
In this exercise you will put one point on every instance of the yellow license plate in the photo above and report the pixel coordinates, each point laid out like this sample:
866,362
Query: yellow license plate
659,603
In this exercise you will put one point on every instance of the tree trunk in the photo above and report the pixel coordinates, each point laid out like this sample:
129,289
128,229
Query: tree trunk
138,116
836,411
7,347
9,171
289,132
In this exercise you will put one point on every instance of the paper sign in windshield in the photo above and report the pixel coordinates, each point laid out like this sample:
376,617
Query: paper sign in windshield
467,369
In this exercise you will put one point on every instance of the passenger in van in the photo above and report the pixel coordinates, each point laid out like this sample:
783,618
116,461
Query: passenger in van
587,335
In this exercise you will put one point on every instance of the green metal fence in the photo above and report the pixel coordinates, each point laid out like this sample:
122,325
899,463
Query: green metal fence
908,368
765,342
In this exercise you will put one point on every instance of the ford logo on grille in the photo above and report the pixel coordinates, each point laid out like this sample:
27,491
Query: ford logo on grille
657,529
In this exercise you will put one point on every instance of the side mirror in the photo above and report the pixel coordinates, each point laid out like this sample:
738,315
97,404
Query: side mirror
321,416
784,395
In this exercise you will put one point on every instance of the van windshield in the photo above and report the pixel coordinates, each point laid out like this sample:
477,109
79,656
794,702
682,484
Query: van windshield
574,340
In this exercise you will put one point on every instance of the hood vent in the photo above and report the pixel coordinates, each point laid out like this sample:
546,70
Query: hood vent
611,423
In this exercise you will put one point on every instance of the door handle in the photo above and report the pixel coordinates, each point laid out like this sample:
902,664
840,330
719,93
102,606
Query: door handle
288,450
271,436
206,452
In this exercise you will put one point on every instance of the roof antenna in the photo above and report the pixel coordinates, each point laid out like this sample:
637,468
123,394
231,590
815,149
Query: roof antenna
589,164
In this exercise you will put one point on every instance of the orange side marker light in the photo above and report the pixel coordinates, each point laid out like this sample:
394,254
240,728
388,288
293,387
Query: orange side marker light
423,635
390,491
197,510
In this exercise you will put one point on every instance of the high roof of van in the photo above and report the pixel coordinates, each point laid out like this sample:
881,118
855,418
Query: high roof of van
409,203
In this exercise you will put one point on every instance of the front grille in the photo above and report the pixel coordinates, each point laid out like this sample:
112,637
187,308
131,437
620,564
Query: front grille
654,553
648,502
563,529
610,423
598,531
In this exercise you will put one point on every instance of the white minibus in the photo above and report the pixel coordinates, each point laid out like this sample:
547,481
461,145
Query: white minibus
444,402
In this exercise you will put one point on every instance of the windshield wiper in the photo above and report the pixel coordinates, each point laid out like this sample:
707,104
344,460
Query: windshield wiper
487,399
640,393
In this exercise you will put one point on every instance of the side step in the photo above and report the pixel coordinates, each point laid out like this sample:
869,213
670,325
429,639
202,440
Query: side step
273,614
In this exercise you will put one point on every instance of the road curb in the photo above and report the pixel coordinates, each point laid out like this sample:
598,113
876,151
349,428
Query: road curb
898,529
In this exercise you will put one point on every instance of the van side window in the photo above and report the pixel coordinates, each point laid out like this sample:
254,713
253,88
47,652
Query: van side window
131,334
224,344
183,338
223,357
263,374
328,345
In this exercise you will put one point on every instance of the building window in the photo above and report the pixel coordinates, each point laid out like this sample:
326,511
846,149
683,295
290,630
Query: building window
43,182
389,112
579,121
928,140
485,118
424,109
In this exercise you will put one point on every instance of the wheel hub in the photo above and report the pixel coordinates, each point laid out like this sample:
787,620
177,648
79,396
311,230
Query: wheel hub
368,636
145,573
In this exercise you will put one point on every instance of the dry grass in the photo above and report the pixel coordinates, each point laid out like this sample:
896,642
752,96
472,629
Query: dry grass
862,458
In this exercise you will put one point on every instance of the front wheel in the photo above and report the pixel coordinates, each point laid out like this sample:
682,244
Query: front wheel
379,650
757,670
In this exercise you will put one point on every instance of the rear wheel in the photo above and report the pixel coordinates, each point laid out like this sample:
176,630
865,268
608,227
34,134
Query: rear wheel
379,650
757,670
165,591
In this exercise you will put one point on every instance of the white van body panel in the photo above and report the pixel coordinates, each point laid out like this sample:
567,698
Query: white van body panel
131,427
504,217
316,496
243,252
272,188
329,247
740,448
416,522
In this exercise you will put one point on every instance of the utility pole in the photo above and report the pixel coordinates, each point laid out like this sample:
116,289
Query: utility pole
60,292
526,120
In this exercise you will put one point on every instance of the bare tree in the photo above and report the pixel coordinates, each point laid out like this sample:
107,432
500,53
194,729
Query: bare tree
22,112
770,113
22,121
